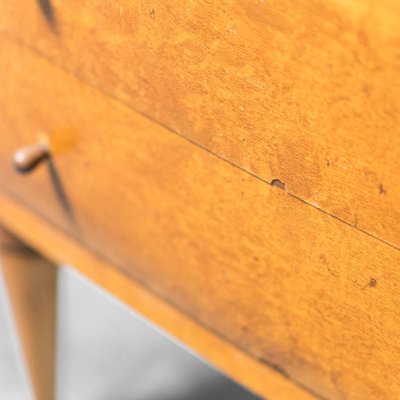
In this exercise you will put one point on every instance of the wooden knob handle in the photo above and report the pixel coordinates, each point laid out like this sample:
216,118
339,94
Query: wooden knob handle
27,158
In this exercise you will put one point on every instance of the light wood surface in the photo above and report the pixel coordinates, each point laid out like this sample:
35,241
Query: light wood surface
31,287
62,249
304,91
289,284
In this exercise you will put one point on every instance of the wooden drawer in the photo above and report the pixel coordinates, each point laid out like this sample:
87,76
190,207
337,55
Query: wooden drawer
306,92
291,285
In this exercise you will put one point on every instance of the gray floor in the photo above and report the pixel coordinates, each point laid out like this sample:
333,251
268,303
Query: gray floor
106,351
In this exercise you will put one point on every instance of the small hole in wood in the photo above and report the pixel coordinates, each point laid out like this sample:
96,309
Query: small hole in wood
279,184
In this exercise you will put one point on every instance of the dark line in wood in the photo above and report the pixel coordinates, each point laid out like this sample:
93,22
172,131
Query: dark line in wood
189,140
60,192
47,11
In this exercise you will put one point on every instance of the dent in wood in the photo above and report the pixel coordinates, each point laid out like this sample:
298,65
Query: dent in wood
279,184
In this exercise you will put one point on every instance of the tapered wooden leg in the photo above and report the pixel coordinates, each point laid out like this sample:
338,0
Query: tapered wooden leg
31,286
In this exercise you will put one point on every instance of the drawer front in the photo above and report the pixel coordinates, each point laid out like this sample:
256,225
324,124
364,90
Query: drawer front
277,277
306,92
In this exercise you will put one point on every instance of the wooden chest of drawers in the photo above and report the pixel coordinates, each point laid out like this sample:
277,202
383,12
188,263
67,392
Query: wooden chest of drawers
235,163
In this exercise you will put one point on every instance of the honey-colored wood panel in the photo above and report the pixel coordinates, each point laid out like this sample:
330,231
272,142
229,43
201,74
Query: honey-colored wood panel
305,91
62,249
282,280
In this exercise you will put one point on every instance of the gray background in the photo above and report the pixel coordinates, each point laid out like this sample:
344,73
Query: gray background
106,351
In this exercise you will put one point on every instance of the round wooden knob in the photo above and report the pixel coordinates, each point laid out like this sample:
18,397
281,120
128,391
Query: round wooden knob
27,158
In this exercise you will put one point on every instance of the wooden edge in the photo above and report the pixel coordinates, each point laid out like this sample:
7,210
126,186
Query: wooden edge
62,249
9,241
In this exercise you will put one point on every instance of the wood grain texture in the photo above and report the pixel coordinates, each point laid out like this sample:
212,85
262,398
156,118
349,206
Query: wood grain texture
31,285
278,278
63,249
304,91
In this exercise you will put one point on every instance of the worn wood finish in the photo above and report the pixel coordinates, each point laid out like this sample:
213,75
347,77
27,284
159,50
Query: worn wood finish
31,285
280,279
63,249
304,91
